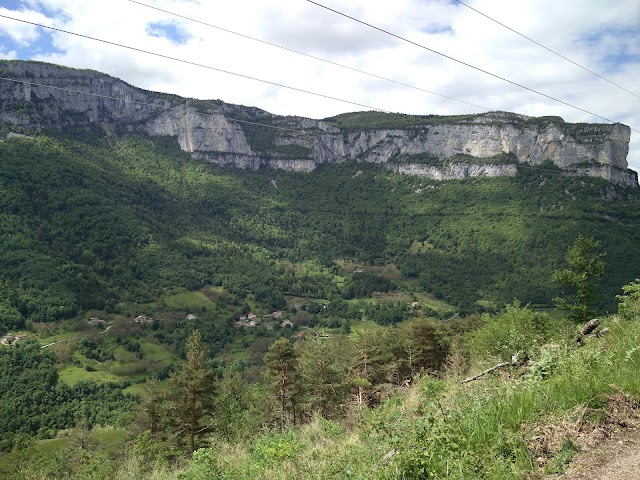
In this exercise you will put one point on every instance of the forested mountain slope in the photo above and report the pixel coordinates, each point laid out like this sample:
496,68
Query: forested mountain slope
88,222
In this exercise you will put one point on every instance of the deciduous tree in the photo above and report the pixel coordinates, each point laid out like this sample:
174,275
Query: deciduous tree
584,266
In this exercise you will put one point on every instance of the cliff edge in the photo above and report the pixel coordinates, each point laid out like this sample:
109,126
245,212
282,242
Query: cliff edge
40,97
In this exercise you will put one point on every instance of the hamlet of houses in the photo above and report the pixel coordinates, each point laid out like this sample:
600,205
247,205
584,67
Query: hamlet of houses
10,338
253,320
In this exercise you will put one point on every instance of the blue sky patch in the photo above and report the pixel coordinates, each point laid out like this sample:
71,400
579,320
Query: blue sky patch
437,29
169,30
12,4
42,46
621,39
34,6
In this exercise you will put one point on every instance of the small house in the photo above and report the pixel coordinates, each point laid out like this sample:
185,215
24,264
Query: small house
20,337
287,323
6,339
143,319
96,322
191,316
277,314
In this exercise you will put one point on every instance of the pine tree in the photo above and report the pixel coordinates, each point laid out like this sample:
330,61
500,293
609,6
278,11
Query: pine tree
192,397
282,371
149,412
323,372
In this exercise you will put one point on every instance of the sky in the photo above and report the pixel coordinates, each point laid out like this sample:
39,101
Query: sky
600,35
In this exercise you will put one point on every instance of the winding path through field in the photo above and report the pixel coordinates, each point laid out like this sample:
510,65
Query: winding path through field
71,338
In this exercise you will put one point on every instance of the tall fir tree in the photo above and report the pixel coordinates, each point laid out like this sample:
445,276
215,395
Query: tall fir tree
192,397
282,372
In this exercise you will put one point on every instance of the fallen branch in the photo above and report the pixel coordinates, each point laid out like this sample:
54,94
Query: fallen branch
590,326
586,329
513,361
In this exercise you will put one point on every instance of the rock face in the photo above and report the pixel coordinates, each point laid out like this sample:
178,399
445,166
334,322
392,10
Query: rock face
45,96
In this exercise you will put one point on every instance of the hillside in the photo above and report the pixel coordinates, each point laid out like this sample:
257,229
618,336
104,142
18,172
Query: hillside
89,224
387,254
528,419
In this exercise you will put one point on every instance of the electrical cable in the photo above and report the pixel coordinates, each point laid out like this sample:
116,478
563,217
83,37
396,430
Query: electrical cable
307,55
465,63
188,62
545,47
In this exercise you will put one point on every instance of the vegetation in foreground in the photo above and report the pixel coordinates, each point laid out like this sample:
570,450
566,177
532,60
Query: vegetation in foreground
526,419
129,226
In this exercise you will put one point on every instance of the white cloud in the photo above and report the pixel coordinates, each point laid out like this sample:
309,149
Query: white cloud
21,33
8,55
594,34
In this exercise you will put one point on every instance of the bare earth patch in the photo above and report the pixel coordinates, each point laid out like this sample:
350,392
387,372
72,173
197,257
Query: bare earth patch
618,458
609,446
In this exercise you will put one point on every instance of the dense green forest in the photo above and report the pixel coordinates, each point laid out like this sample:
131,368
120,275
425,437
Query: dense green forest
91,224
36,404
361,282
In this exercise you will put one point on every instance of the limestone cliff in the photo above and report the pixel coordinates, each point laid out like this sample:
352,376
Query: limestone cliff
493,144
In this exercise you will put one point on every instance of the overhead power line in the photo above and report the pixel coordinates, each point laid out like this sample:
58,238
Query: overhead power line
399,37
195,64
546,48
155,105
380,77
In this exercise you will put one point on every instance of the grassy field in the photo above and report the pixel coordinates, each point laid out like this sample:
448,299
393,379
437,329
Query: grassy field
188,300
419,247
361,326
108,439
72,374
389,271
125,367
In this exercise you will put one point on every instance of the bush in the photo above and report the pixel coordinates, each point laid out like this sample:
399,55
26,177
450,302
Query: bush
629,307
275,447
516,331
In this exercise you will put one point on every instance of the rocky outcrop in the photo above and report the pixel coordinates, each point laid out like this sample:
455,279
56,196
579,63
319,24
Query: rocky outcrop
198,132
51,97
455,171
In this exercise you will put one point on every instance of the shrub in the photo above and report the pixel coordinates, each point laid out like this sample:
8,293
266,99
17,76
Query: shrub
629,307
516,331
275,447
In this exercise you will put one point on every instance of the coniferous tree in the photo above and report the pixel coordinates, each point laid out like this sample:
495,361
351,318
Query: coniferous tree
323,373
428,345
282,372
149,412
192,392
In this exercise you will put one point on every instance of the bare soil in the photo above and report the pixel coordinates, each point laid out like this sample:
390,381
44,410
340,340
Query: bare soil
617,458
